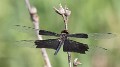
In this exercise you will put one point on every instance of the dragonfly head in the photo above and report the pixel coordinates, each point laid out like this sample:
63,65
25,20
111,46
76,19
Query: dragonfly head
65,31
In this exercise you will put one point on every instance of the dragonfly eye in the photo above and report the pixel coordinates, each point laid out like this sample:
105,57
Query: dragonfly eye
65,31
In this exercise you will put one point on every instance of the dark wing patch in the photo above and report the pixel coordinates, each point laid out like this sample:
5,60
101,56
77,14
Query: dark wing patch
48,33
79,35
49,43
73,46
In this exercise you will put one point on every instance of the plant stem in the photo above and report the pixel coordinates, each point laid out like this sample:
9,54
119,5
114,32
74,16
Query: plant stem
35,20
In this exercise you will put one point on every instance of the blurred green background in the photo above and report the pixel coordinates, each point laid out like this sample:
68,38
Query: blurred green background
87,16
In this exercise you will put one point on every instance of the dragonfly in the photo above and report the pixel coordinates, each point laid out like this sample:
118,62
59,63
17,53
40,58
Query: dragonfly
63,40
68,45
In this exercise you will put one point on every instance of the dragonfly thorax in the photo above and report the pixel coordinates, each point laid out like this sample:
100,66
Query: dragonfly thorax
63,36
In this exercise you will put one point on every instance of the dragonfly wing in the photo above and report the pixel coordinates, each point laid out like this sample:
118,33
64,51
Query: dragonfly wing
25,43
22,28
49,43
101,35
48,33
93,35
79,35
73,46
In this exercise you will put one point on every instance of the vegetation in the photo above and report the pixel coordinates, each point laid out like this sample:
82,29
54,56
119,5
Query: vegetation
89,16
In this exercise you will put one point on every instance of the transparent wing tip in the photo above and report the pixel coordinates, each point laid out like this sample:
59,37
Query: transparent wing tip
22,28
101,35
25,43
